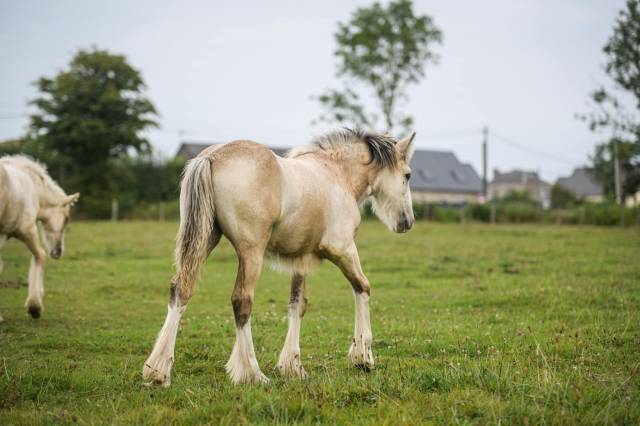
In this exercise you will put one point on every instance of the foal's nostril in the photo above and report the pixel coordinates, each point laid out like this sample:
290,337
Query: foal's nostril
57,251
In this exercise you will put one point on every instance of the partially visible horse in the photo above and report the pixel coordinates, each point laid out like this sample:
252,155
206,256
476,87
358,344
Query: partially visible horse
28,195
296,210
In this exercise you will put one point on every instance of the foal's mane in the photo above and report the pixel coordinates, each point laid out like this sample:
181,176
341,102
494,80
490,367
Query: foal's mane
381,147
36,170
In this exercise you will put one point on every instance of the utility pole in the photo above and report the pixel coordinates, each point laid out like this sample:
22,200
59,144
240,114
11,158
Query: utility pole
616,173
485,137
616,176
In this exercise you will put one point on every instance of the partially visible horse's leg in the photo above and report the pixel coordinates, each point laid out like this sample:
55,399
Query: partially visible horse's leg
242,366
289,362
36,271
3,239
360,352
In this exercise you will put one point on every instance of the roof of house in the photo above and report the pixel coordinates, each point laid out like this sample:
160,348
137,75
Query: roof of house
441,171
581,183
436,171
517,176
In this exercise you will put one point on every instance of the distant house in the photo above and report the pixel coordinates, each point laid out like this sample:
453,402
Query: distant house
583,185
437,177
520,181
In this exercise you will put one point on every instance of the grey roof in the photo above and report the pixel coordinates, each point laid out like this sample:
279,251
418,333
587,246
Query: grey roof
436,171
441,171
517,176
581,183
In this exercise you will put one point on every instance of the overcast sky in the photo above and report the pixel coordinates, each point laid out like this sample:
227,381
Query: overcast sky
224,70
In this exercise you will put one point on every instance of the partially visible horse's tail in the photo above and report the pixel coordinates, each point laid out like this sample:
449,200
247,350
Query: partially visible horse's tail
195,236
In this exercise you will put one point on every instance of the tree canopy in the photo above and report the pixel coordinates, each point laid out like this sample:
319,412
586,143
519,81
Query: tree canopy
88,115
622,53
384,48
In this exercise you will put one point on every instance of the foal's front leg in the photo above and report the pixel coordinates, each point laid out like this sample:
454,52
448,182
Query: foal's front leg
242,366
289,362
360,352
36,271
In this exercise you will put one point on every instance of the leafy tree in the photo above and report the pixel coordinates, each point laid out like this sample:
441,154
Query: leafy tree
622,52
88,116
518,197
629,160
386,49
561,197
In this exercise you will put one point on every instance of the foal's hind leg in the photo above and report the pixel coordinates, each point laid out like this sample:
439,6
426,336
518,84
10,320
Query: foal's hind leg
242,366
157,368
289,362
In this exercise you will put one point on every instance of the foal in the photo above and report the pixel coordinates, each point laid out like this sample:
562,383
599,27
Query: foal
296,210
28,196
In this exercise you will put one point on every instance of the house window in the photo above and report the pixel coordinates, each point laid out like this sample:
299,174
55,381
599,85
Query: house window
424,174
458,176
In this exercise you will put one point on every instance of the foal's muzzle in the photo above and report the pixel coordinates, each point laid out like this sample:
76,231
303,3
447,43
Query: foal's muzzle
404,225
56,253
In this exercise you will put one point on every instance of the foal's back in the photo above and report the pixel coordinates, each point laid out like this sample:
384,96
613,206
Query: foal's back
16,197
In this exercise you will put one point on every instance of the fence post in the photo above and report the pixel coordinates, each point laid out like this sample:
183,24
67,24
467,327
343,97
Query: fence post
582,214
114,210
493,213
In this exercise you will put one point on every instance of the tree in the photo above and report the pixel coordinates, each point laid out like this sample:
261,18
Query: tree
622,52
90,115
386,49
561,197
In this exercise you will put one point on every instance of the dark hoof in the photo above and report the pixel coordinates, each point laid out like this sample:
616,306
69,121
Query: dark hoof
34,311
363,367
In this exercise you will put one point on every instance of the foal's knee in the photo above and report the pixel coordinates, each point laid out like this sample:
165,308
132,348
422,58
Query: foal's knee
242,304
361,285
40,257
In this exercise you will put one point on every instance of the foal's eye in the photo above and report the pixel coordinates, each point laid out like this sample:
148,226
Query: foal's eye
407,176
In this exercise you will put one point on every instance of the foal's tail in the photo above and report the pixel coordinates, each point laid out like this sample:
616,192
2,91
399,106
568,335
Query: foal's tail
195,236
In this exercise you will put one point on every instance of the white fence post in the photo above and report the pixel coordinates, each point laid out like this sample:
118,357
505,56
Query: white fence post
114,210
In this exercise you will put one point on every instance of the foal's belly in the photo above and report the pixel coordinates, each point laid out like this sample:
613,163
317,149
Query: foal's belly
294,244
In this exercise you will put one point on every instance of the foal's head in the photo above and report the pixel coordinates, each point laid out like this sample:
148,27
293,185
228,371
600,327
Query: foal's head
54,218
390,193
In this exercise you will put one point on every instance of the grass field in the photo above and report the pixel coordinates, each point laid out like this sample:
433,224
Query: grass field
471,323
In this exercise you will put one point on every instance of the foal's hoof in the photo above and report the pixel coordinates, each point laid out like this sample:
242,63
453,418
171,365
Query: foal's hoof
362,357
34,311
154,375
290,366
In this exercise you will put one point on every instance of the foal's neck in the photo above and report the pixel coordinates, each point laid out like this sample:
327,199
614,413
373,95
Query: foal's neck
356,174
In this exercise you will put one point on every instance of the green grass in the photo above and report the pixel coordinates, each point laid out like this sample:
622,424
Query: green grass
472,324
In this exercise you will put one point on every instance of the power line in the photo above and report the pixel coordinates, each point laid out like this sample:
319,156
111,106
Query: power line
532,151
13,116
453,135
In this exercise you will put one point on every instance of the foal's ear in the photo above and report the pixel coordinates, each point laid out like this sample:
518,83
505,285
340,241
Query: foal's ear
406,148
70,200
